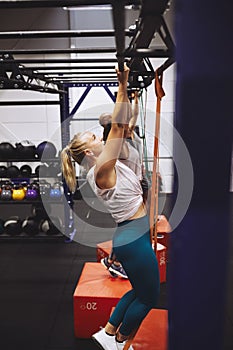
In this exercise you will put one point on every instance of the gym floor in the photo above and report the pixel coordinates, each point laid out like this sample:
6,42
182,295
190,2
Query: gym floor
38,279
37,283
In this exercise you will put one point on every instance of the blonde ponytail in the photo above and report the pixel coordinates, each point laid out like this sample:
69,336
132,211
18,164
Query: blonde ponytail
74,151
68,169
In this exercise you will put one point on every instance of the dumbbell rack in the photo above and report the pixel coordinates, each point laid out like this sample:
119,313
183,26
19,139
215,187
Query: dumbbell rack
18,206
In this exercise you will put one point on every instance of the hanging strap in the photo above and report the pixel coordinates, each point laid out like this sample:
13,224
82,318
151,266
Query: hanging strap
154,182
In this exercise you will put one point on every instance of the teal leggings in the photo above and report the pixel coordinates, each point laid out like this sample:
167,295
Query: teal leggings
132,247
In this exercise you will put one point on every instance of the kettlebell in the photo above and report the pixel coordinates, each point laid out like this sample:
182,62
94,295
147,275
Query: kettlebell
12,226
39,212
6,193
31,193
30,226
55,191
44,189
18,193
51,226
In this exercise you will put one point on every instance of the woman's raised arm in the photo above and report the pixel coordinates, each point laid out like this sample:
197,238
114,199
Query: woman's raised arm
105,172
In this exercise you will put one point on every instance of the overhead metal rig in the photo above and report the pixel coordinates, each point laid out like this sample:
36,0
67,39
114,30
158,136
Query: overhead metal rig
52,74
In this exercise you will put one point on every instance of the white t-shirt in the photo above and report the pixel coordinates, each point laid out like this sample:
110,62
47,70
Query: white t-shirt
122,200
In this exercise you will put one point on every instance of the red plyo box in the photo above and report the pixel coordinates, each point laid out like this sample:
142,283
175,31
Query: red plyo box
95,295
161,257
163,229
103,249
153,332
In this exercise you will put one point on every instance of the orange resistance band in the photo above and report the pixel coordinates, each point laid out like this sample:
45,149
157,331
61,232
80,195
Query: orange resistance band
154,183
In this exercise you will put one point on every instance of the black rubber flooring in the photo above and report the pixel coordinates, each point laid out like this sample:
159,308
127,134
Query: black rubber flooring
36,306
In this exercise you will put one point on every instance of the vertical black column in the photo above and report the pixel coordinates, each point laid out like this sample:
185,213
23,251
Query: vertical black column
204,110
65,138
64,115
118,15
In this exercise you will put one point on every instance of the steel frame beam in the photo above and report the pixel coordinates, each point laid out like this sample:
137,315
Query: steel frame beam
28,103
42,34
58,51
63,60
143,52
89,86
86,73
92,83
12,78
59,3
137,55
63,68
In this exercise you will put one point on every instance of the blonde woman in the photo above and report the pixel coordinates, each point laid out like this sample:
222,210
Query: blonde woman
121,192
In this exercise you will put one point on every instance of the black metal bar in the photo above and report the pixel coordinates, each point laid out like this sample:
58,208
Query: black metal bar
166,36
58,3
118,14
80,101
165,65
152,7
85,82
157,53
85,119
64,68
110,94
62,60
150,52
16,84
28,103
148,26
65,75
82,79
51,74
65,138
64,115
61,79
136,53
60,34
57,51
92,83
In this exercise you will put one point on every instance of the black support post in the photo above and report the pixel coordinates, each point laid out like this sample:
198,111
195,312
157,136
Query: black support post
199,258
69,229
118,14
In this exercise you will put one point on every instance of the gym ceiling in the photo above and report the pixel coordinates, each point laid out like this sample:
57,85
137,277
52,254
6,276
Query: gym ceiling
40,52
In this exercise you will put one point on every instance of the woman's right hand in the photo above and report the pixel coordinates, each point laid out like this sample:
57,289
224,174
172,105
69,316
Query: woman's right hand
123,76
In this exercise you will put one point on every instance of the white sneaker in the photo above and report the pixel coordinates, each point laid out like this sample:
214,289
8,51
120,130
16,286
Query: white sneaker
108,342
105,341
120,346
